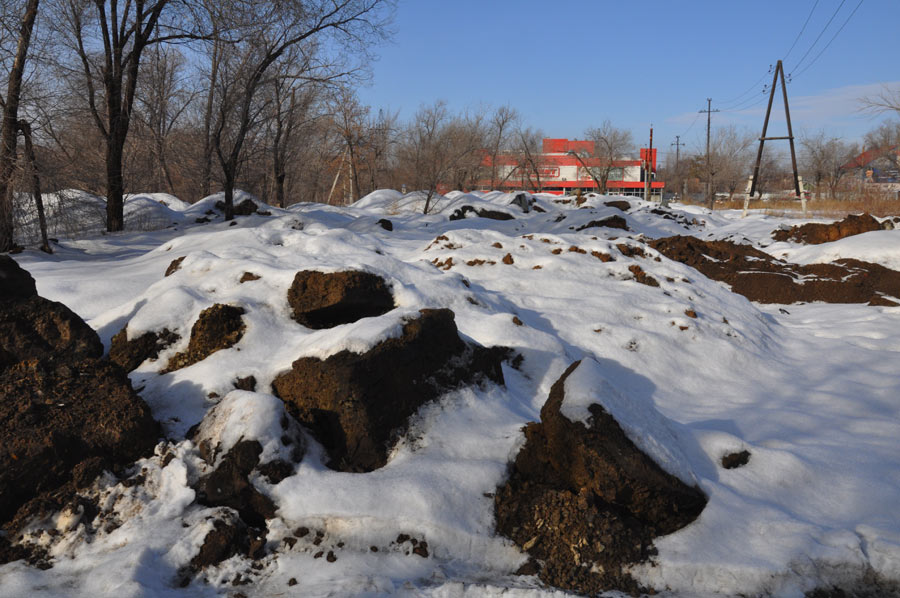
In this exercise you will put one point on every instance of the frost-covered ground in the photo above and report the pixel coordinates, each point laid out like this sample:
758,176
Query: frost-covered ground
812,391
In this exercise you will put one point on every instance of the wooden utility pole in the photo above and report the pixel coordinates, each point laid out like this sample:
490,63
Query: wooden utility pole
779,75
710,198
677,144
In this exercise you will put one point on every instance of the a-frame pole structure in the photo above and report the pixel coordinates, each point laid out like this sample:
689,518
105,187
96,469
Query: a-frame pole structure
779,73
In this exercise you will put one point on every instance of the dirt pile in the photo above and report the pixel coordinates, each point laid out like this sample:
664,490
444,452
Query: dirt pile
760,277
815,234
66,414
218,327
130,353
323,300
584,501
357,404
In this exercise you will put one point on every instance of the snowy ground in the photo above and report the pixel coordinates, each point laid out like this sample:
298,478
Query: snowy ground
812,391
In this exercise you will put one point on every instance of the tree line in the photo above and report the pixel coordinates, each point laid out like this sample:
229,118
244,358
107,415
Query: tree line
201,96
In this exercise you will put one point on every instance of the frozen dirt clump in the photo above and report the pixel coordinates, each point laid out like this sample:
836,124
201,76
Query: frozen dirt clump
66,415
324,300
357,404
583,500
15,282
814,233
245,207
760,277
609,222
130,353
218,327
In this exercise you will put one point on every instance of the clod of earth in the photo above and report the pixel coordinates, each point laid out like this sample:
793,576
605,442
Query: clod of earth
358,404
584,501
244,208
735,460
619,204
813,233
461,213
218,327
610,222
66,414
174,265
15,282
35,327
385,224
130,353
325,300
229,486
760,277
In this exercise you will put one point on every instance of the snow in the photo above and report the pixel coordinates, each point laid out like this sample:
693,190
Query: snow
810,393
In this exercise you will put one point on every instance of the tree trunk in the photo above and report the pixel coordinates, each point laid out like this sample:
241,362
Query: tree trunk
35,184
115,186
9,136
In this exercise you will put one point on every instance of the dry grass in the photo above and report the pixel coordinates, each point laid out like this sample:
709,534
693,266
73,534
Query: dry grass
876,204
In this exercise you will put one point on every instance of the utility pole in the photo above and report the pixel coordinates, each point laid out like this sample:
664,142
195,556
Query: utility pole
779,72
677,145
710,198
648,167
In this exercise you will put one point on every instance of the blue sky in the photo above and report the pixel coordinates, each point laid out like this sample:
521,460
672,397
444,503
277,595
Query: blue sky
567,65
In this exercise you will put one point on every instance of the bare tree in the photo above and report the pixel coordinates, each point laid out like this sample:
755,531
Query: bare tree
730,155
825,159
123,29
10,124
270,30
888,100
432,147
501,128
162,100
531,158
610,145
292,105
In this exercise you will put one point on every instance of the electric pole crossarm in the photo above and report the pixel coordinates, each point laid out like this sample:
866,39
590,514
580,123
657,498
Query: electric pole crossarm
774,138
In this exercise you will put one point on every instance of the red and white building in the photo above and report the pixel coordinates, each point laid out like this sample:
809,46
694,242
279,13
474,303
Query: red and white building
561,172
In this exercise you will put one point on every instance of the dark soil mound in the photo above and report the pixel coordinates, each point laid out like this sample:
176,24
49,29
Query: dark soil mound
15,282
64,421
610,222
619,204
462,212
385,224
356,404
760,277
816,234
244,208
130,353
218,327
36,327
584,500
321,300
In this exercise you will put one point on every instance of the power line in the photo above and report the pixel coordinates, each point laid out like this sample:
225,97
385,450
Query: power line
749,89
796,39
696,118
822,51
818,37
